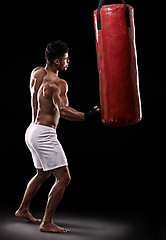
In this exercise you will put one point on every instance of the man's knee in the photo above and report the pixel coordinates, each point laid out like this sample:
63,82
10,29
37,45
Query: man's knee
62,176
68,180
65,180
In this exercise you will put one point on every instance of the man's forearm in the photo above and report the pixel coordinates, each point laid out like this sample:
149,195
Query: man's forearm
71,114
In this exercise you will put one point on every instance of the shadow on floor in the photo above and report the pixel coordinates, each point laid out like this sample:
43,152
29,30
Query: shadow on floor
81,226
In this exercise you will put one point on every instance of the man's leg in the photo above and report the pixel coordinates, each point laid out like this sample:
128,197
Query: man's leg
32,188
62,177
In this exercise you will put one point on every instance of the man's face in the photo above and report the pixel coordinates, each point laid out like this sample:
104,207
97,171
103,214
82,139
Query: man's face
64,62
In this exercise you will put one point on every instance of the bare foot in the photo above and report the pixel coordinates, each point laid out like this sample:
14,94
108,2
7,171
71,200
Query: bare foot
51,227
27,215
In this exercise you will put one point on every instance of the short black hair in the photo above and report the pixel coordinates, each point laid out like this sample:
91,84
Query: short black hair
54,50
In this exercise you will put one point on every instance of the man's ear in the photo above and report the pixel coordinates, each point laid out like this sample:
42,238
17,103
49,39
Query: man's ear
56,61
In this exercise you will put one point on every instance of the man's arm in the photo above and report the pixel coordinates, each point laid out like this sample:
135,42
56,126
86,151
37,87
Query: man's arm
71,114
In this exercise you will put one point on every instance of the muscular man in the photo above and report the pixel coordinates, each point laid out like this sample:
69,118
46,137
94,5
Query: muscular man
49,103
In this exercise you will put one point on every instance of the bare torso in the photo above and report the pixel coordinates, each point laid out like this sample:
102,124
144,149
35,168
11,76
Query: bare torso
48,94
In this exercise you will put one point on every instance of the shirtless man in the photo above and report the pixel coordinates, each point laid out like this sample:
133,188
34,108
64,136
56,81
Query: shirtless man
49,103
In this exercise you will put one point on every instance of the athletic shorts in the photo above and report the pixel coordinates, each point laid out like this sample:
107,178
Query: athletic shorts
46,150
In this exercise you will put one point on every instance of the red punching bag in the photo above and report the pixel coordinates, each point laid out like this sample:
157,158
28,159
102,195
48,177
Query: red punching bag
117,64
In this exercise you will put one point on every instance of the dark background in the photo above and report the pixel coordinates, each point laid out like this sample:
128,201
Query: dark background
116,168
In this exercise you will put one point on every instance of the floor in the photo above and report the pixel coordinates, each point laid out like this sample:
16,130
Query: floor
83,227
123,215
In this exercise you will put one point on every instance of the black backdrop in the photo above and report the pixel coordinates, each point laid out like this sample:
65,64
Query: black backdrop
128,159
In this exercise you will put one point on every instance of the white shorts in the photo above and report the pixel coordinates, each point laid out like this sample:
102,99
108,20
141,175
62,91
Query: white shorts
46,150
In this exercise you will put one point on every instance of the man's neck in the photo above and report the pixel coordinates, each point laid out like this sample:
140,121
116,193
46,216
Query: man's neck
52,68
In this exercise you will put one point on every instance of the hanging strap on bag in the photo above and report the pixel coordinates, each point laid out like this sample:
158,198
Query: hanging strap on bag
101,2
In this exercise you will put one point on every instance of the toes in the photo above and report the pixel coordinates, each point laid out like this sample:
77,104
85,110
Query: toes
65,230
38,219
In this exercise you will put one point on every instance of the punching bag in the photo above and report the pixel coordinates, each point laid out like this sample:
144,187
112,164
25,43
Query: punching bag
117,64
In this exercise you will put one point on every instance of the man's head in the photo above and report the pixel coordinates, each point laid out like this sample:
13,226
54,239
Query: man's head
57,53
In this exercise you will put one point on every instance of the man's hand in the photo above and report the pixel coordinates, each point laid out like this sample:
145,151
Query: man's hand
93,115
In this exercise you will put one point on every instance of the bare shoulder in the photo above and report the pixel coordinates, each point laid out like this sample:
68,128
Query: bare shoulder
50,86
58,83
63,84
37,77
38,72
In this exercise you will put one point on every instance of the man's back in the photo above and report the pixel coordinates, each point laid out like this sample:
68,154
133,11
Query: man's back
47,92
